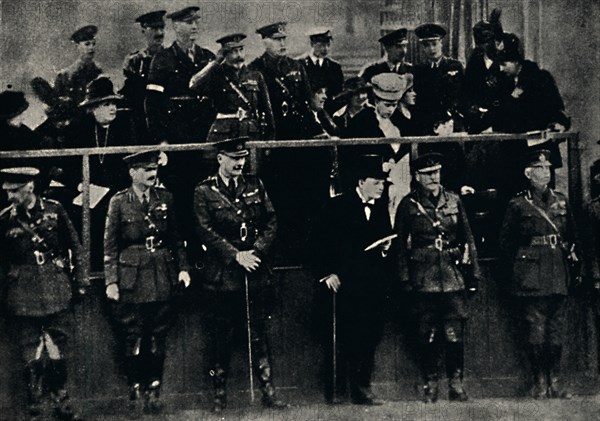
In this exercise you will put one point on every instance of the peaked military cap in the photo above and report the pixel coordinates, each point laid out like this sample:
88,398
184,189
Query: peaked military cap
99,90
187,14
428,162
370,166
387,86
319,35
12,103
274,30
234,148
395,37
232,40
538,158
85,33
13,178
152,19
430,31
142,159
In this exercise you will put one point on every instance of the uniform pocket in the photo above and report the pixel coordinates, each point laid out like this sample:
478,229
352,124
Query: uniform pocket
526,269
129,264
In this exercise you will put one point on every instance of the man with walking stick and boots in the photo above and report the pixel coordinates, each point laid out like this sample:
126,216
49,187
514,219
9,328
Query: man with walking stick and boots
235,222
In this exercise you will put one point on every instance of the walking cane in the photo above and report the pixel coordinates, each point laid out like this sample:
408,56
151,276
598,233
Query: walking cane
249,339
334,388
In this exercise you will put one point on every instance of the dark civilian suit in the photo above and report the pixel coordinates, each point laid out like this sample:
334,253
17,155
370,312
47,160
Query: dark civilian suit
339,237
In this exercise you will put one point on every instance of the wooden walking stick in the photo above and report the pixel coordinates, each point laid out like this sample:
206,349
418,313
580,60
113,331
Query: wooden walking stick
249,339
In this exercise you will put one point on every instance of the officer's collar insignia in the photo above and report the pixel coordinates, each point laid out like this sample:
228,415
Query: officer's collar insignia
542,157
281,29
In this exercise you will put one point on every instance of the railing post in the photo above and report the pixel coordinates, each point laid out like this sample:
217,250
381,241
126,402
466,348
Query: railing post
576,194
85,215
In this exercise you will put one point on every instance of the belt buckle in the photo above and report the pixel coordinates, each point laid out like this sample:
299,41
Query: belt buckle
438,243
241,114
553,240
150,244
284,108
243,232
40,259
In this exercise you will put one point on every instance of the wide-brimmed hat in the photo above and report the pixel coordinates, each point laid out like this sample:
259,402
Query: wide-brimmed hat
353,85
12,103
100,90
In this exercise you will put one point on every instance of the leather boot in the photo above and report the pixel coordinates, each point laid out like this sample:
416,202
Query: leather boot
455,360
57,373
555,391
269,398
153,404
35,387
537,360
219,377
155,361
135,404
431,389
430,366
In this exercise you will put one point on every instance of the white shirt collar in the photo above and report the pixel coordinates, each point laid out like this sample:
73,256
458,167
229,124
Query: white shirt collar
363,199
317,61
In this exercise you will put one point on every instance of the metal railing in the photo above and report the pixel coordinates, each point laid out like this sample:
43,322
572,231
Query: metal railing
574,160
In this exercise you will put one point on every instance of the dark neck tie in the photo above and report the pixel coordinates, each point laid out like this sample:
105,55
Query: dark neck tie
145,202
232,188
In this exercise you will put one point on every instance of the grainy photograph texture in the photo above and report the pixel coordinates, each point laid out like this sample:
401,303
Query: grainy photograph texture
300,210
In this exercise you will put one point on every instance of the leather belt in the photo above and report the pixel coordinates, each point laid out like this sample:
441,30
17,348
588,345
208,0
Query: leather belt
438,244
151,244
551,240
241,114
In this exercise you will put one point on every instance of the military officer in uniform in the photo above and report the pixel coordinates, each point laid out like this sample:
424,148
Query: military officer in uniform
73,80
136,67
434,238
438,80
287,81
538,243
237,225
320,67
395,45
350,265
41,264
240,95
144,265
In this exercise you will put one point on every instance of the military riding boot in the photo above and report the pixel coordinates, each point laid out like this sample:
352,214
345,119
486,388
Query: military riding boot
135,404
431,388
57,372
219,377
155,366
34,378
153,403
555,391
455,359
430,366
269,398
537,360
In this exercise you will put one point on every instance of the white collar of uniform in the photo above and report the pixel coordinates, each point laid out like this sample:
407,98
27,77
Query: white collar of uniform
316,59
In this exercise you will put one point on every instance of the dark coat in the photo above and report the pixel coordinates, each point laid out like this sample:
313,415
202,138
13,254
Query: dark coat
219,221
38,286
382,66
289,91
174,112
73,80
537,270
421,265
438,91
329,74
222,85
592,246
145,269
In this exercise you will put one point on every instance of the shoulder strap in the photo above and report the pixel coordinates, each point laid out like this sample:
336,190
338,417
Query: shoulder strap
543,213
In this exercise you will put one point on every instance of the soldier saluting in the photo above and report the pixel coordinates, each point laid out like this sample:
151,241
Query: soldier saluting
37,240
144,263
239,94
537,241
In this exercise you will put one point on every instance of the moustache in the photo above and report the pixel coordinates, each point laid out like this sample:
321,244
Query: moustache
239,60
238,167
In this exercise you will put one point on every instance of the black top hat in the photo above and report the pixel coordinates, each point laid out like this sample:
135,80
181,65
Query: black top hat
186,14
352,86
430,31
427,162
99,90
13,178
12,103
273,30
85,33
152,19
320,35
512,49
142,159
395,37
370,166
234,148
232,40
538,158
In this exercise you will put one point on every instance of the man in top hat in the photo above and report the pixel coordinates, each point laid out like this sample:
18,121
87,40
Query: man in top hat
395,44
354,96
175,113
240,95
144,265
39,248
136,66
73,80
434,238
352,278
533,101
539,244
320,67
237,225
287,81
438,80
